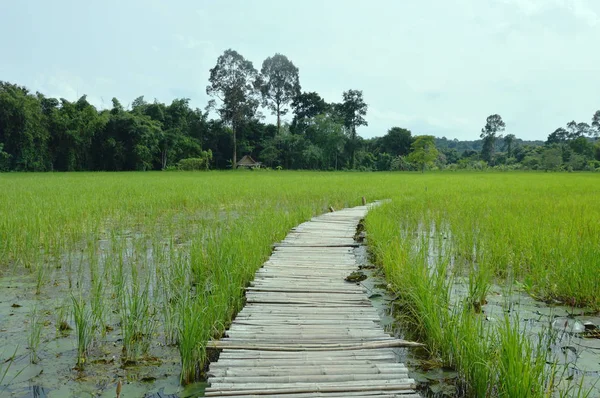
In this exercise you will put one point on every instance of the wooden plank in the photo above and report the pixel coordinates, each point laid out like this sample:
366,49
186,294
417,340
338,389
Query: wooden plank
395,385
271,363
327,346
299,358
310,378
303,370
378,394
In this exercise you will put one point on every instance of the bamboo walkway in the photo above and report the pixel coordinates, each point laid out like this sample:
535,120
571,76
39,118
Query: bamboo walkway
305,331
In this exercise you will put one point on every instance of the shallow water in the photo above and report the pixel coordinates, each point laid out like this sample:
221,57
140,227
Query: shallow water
575,345
54,373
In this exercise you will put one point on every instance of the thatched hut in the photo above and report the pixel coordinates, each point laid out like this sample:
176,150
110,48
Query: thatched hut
248,163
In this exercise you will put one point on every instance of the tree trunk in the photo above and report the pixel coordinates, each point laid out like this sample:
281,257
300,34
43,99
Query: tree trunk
234,164
278,118
353,152
163,158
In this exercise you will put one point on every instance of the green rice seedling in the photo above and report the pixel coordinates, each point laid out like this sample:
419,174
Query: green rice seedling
458,336
119,280
170,318
84,326
521,363
35,334
5,366
171,282
571,389
192,339
137,323
97,304
61,313
40,277
469,348
479,285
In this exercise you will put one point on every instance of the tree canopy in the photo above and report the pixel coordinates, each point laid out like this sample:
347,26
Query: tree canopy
352,110
279,84
233,82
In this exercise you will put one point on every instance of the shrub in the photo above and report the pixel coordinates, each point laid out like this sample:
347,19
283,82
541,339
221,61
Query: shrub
199,163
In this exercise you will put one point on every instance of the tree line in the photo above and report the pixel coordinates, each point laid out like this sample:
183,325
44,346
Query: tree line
39,133
575,147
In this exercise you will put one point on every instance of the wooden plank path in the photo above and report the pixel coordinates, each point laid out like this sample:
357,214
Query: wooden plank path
305,331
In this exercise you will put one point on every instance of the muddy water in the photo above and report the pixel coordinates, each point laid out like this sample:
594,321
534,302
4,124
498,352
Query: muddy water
572,334
52,372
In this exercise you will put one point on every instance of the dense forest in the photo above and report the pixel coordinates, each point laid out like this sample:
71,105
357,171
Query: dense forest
38,133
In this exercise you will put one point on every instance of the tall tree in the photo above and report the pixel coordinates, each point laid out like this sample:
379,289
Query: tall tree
489,133
327,133
279,84
396,142
596,124
424,152
576,130
232,81
558,136
306,106
352,110
509,141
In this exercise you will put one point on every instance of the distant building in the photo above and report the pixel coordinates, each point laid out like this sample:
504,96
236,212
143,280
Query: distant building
248,163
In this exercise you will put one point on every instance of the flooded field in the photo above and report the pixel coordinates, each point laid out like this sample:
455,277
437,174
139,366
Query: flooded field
40,335
111,280
571,335
118,280
501,289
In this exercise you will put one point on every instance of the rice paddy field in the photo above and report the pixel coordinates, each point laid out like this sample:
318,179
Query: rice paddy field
122,278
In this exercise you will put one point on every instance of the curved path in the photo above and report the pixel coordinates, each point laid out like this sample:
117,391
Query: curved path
305,331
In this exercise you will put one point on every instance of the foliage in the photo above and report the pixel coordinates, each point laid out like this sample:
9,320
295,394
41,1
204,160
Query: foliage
400,163
306,106
233,81
423,152
200,163
279,84
397,141
509,140
494,125
352,110
596,124
552,158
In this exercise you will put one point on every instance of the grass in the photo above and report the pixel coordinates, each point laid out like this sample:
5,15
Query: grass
35,334
164,257
489,229
137,322
84,326
5,367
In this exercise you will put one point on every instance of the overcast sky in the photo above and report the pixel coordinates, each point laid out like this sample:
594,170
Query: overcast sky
436,67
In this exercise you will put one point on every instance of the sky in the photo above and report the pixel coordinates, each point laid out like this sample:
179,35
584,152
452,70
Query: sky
435,67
